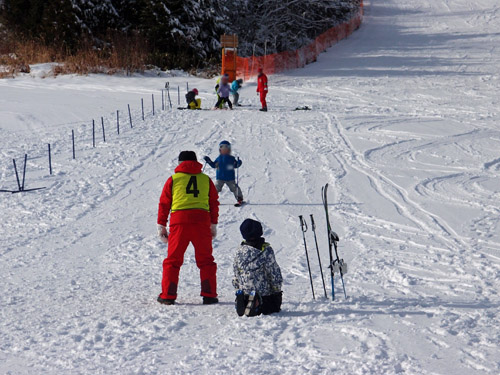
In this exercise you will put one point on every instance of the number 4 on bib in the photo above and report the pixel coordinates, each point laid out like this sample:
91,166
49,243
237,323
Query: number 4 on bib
192,187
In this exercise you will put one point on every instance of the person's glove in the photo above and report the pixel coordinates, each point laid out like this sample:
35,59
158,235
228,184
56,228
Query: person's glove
213,230
207,159
163,233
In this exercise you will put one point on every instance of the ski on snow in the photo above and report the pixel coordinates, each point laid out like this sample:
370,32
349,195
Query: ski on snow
337,265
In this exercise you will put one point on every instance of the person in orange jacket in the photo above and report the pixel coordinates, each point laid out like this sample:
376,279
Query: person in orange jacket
262,89
193,201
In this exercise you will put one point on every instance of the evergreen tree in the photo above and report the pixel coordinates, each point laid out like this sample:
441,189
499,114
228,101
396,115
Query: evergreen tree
177,33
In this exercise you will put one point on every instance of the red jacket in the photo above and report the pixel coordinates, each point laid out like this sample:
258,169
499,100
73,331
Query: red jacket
262,83
187,216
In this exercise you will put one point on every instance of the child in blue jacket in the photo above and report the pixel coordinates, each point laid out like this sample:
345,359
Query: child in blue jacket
225,165
235,86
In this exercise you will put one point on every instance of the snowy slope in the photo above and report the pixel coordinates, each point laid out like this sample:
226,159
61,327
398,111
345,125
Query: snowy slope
405,130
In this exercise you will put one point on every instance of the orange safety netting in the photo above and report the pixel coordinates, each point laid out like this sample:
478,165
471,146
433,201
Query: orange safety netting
246,67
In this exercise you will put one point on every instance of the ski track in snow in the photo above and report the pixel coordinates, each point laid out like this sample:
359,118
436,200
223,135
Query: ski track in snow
404,127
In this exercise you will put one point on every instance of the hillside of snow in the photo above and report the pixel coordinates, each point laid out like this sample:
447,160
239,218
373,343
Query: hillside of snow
404,127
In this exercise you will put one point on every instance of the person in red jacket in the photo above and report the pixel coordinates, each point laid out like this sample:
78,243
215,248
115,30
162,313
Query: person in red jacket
262,89
193,201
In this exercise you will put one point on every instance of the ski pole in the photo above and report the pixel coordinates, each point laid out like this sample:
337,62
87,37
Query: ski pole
303,226
313,227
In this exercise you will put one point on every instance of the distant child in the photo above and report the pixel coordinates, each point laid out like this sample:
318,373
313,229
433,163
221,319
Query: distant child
257,276
192,102
217,84
226,164
223,92
235,86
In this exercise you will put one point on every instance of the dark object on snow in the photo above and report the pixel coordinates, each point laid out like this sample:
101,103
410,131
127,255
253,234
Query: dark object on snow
239,203
251,229
20,186
240,303
304,108
165,301
221,101
271,304
187,155
210,300
255,304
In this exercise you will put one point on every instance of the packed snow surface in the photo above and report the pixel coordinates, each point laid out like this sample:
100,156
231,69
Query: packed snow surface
404,128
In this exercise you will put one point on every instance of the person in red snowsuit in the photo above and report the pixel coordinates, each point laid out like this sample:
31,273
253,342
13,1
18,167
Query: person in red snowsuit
262,89
193,201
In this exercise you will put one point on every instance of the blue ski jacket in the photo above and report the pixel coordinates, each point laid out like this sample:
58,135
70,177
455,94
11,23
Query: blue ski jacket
235,86
225,165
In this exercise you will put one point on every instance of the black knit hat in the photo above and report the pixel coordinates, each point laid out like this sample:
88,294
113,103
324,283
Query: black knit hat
251,229
187,155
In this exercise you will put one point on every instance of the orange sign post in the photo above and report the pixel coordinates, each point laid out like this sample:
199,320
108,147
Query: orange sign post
229,44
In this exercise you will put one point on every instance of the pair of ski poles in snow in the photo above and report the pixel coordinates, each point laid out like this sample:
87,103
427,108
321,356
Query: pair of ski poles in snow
336,266
304,228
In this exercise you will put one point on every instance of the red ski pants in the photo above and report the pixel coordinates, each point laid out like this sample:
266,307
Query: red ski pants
178,240
263,99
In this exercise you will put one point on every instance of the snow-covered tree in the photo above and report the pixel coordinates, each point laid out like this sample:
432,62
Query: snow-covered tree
177,33
275,26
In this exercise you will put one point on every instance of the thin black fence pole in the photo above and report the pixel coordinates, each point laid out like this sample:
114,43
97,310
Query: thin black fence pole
187,86
170,101
153,103
118,122
93,133
162,100
73,141
129,115
178,95
142,106
24,170
17,175
103,132
50,161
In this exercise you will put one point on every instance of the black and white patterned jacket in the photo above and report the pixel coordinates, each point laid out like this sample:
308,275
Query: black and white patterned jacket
256,269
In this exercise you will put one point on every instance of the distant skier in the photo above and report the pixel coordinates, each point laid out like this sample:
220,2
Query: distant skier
235,86
193,200
257,276
217,84
262,89
192,102
225,165
223,92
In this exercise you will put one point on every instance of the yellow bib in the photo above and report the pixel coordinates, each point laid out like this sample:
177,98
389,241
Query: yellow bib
190,191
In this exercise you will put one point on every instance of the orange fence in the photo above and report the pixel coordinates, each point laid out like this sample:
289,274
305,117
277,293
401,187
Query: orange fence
278,62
